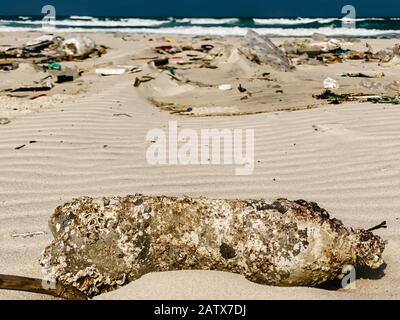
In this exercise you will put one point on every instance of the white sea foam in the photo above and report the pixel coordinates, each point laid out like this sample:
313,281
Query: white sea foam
282,21
82,18
207,20
299,21
94,23
225,31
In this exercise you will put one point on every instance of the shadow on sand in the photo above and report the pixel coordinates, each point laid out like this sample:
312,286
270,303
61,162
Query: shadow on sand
361,273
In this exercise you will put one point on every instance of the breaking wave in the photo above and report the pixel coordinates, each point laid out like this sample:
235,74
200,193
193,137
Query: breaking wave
279,27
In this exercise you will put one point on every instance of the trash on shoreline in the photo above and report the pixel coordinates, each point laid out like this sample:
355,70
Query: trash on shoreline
322,50
225,87
42,42
64,78
4,121
38,96
241,88
160,62
337,98
363,75
384,99
110,71
46,85
78,46
50,49
142,79
55,66
8,65
330,83
260,49
117,70
66,74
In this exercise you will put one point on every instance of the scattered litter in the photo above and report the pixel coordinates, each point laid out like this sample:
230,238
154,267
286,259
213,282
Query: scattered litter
142,79
207,47
78,46
322,51
38,96
45,86
20,147
145,58
64,78
28,234
55,66
161,62
241,89
66,74
261,50
118,70
167,49
110,71
357,75
130,68
171,70
41,43
122,114
330,83
384,99
8,65
363,75
225,87
380,75
4,121
336,98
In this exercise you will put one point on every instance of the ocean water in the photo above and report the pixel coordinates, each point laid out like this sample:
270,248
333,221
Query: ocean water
293,27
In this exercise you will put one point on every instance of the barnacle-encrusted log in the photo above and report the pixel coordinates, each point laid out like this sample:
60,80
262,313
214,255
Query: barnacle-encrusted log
101,244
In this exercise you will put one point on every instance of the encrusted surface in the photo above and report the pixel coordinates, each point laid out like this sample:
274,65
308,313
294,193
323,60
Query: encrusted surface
101,244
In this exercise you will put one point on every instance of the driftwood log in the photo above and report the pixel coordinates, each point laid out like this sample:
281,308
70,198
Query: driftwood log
101,244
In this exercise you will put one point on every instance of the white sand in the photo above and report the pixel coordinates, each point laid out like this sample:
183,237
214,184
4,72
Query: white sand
350,167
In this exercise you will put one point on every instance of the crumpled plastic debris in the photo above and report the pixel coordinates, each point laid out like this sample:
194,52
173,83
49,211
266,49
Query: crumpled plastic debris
262,50
330,83
78,46
225,87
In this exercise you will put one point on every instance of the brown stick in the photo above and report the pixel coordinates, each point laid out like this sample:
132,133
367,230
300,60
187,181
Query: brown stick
18,283
379,226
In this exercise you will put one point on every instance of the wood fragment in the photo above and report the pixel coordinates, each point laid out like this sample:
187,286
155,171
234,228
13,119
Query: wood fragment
10,282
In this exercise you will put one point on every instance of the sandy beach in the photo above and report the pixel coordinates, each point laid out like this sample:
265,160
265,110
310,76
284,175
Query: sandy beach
88,137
